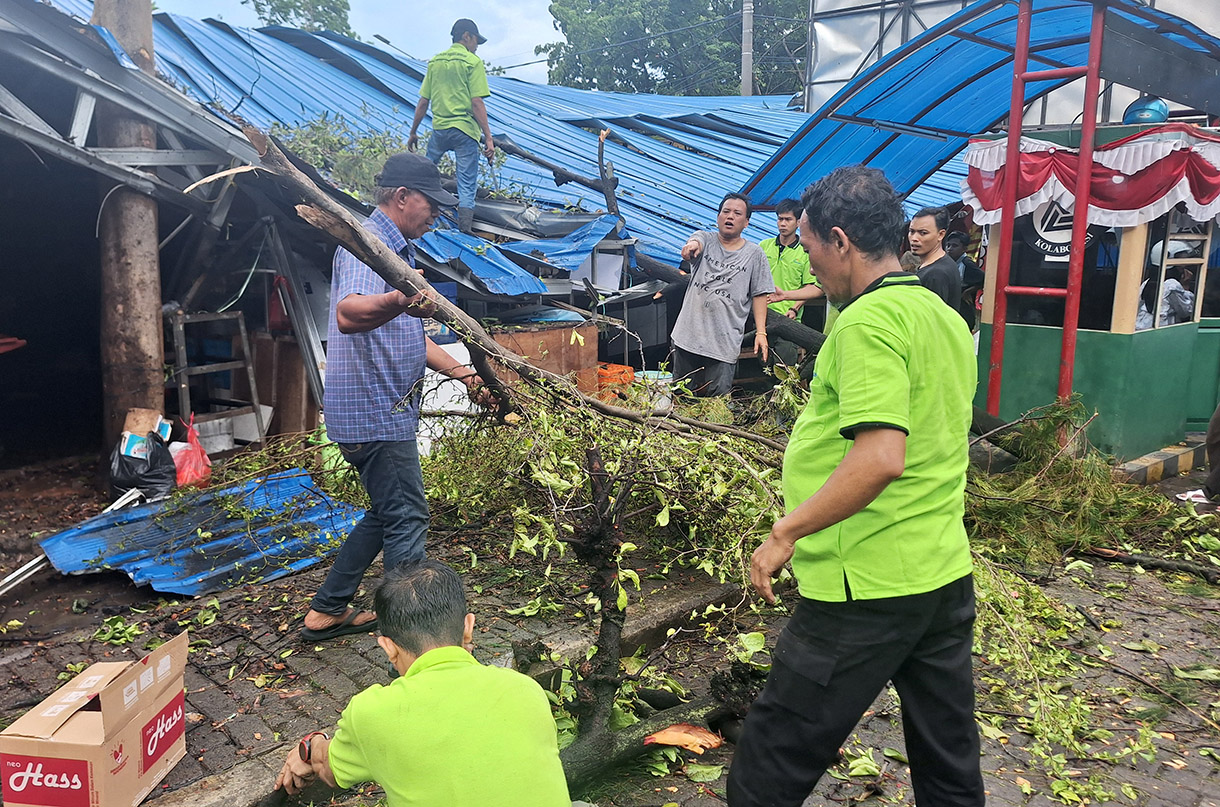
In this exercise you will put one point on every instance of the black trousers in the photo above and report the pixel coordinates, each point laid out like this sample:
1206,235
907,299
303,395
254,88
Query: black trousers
831,662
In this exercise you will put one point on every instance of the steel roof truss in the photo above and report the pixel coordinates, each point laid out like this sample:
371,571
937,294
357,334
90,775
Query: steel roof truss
82,117
17,110
136,180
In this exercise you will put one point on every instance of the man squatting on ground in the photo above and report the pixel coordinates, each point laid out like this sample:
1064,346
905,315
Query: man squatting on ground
873,480
730,278
455,85
376,353
790,272
449,731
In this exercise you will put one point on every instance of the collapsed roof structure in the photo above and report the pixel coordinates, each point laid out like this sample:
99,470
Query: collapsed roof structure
673,159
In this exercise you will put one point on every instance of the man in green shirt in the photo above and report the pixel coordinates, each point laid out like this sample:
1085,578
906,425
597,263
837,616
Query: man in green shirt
455,86
790,271
449,732
873,480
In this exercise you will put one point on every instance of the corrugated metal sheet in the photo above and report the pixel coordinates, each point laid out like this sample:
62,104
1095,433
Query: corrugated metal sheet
675,157
570,251
217,540
941,83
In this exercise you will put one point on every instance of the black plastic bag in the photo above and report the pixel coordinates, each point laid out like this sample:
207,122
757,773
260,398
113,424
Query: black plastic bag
153,474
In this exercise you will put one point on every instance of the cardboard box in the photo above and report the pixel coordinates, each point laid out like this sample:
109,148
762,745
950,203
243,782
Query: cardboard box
104,739
142,421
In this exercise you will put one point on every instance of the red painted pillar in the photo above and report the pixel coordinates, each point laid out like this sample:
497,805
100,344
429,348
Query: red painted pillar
1012,170
1080,217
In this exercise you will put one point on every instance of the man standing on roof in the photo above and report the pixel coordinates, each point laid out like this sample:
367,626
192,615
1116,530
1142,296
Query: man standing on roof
455,86
376,353
730,278
873,480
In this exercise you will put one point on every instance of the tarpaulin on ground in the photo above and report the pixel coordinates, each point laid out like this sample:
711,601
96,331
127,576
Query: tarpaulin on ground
573,249
213,540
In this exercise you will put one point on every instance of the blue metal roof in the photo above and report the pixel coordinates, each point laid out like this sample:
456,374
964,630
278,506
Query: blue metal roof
674,157
197,547
913,110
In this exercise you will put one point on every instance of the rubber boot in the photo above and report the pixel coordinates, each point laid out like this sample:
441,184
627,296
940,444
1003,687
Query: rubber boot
465,219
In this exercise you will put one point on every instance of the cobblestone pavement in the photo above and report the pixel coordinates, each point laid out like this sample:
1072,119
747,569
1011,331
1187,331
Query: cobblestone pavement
253,685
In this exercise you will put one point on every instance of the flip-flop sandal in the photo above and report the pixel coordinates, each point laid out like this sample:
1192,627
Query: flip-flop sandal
345,628
1194,496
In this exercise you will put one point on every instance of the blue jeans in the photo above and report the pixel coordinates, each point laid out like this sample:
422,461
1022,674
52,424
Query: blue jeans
396,522
465,153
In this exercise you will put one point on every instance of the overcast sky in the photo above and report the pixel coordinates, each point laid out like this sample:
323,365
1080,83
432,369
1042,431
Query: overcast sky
512,28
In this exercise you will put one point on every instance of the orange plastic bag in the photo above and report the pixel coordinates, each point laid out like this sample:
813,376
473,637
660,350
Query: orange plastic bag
193,465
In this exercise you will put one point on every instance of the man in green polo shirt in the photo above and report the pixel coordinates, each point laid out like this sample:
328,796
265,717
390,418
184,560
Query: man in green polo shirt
455,86
790,271
873,479
449,732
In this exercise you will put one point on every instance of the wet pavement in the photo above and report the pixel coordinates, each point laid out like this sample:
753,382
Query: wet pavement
254,687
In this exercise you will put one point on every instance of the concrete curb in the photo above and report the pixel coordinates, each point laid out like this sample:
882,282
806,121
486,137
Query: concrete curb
1169,461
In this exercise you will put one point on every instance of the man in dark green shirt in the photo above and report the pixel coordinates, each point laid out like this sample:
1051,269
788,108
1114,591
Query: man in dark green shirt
873,481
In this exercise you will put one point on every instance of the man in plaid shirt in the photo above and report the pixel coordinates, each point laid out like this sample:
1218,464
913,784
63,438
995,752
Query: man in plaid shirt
376,355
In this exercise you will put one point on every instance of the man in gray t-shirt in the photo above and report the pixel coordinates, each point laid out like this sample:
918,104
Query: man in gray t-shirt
730,279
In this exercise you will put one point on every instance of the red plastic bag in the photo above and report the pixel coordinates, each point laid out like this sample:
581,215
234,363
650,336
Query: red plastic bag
192,463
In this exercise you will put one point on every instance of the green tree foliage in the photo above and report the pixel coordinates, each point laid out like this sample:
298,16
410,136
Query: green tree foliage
310,15
679,47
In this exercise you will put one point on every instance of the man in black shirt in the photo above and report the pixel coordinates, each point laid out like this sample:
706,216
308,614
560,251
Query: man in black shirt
937,271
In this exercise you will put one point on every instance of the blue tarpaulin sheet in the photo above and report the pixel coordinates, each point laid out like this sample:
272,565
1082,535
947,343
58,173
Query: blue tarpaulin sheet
212,541
570,251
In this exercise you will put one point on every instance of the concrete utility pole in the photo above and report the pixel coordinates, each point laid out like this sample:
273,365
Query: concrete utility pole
747,47
131,338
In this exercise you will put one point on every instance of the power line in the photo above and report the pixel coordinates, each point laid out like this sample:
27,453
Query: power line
630,41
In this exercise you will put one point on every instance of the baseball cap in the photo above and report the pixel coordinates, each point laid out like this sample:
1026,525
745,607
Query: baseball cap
465,26
415,172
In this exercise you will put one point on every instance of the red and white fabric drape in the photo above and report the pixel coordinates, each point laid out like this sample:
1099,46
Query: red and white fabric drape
1134,180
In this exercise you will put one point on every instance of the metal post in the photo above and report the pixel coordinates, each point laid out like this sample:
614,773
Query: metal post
1012,173
1080,217
809,62
747,47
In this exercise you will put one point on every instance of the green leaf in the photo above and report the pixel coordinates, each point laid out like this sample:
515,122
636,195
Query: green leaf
622,598
992,733
1129,791
752,642
894,754
703,773
863,765
1198,673
663,517
1143,646
1210,752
